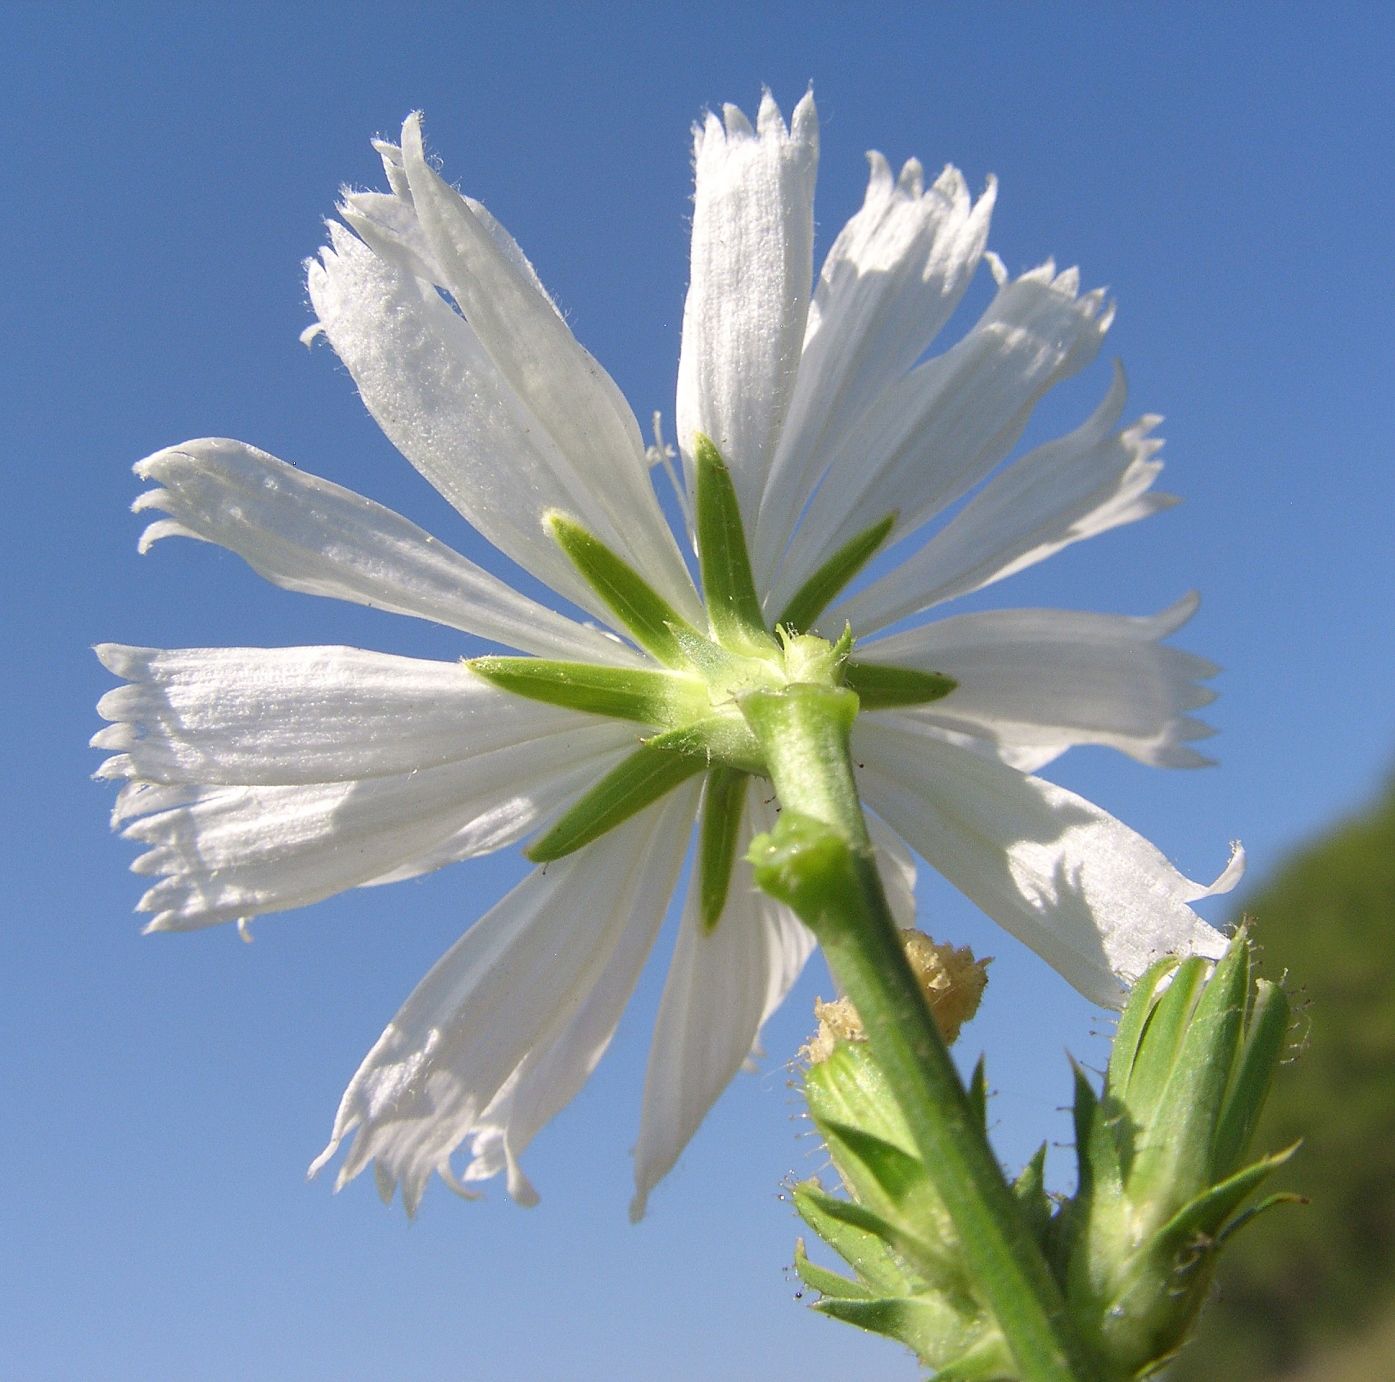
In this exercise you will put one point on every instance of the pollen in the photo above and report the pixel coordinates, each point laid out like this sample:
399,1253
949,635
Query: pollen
951,979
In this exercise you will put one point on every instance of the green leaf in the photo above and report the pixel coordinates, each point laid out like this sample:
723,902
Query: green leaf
622,693
646,775
649,618
880,687
727,584
722,805
818,592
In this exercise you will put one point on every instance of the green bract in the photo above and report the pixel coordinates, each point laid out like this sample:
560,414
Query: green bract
694,701
1163,1181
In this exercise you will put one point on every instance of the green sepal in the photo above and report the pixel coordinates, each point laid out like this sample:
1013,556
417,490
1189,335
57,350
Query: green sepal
881,687
733,607
723,802
819,591
652,771
850,1087
1255,1210
709,659
893,1184
621,693
639,608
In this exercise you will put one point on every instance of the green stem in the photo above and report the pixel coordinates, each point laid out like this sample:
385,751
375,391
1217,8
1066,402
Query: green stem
822,865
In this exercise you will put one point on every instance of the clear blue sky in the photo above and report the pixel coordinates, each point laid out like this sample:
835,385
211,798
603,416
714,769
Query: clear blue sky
1224,169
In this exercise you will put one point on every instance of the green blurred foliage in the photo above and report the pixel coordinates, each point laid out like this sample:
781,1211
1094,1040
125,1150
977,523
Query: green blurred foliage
1299,1289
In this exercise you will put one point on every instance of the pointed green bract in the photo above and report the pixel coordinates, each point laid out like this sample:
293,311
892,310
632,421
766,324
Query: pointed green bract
1267,1033
722,805
880,687
733,608
650,619
1162,1153
824,586
649,773
622,693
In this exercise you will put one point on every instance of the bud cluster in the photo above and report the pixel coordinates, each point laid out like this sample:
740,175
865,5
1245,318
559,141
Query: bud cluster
1162,1182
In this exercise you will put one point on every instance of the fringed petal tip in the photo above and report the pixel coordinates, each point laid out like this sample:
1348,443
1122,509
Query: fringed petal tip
733,125
491,1155
1229,876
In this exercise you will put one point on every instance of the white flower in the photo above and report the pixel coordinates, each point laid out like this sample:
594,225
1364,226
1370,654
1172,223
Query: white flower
263,779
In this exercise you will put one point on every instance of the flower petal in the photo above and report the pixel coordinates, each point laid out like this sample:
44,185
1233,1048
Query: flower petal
387,223
752,263
894,275
510,987
1047,679
896,864
423,374
289,716
571,410
552,1072
306,534
722,984
1087,482
228,852
1092,898
936,433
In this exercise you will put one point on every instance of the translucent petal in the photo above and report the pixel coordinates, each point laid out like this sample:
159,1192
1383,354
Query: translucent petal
289,716
1087,482
941,429
723,983
574,414
238,851
1095,900
553,1071
891,280
1046,678
498,1002
306,534
748,293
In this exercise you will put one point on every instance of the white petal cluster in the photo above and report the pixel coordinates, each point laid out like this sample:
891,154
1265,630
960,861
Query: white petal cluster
265,779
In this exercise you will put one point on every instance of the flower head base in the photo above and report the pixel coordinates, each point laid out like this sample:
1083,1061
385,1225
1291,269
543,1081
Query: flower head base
813,435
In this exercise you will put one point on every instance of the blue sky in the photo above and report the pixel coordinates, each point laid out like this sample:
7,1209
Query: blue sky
1225,170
